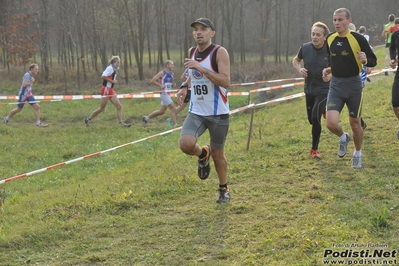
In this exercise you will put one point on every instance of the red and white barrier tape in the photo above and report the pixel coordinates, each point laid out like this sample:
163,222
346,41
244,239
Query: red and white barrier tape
55,98
268,102
134,142
277,87
85,157
170,131
152,94
155,94
265,82
84,97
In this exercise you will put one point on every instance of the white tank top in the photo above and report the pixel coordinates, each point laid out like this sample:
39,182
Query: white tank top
206,97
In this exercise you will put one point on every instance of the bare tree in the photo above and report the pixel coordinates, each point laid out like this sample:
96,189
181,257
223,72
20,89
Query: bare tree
93,36
188,15
137,32
159,8
264,8
242,32
288,22
84,33
228,14
166,34
45,46
5,5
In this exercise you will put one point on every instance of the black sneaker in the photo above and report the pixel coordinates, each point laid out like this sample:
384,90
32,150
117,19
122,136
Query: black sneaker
203,164
363,123
224,195
123,124
87,121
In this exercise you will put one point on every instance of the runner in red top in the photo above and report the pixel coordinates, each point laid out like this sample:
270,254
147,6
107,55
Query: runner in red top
108,92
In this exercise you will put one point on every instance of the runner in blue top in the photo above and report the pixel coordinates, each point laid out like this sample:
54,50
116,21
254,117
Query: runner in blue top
25,95
164,80
183,104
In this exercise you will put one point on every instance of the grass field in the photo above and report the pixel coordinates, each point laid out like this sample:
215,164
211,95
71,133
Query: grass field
144,205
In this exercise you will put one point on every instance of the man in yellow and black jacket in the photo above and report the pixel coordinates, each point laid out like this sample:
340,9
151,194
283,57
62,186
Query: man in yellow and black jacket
348,51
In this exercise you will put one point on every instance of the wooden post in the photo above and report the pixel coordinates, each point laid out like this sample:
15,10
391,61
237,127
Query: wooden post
250,128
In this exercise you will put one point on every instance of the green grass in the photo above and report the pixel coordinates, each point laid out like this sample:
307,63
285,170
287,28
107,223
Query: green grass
144,205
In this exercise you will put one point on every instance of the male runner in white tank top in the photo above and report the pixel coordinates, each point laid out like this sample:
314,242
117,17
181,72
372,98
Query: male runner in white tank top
208,80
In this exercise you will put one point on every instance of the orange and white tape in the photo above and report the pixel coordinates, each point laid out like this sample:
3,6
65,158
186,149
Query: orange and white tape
134,142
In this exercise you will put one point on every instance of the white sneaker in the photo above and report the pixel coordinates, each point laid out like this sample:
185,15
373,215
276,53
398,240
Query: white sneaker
5,120
42,125
343,146
357,162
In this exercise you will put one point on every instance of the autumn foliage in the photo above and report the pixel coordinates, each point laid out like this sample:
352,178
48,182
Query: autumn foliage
18,39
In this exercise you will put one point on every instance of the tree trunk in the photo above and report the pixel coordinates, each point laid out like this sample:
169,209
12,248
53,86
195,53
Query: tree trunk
45,42
160,60
242,33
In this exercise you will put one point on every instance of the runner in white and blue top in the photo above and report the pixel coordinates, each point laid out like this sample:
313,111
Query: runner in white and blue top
25,96
363,75
209,78
164,80
207,98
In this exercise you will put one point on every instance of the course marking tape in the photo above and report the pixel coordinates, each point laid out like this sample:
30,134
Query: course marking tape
281,99
57,98
156,94
164,133
149,94
134,142
268,102
265,82
277,87
85,157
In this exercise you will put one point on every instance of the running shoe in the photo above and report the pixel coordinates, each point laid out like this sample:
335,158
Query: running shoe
343,146
5,120
224,195
315,154
42,125
123,124
357,162
363,123
145,120
87,121
169,122
203,164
